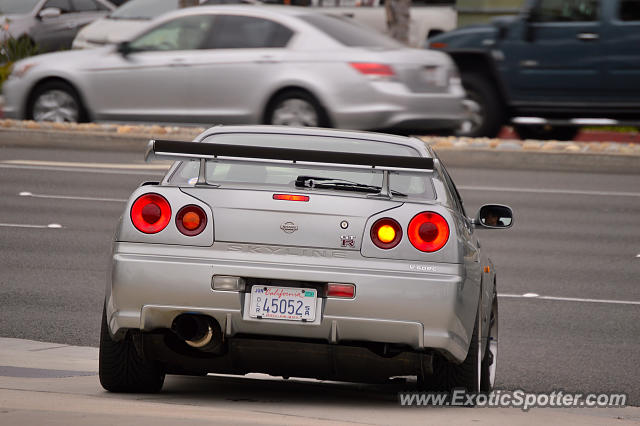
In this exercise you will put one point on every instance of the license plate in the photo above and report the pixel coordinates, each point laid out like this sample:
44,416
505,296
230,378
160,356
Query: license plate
284,303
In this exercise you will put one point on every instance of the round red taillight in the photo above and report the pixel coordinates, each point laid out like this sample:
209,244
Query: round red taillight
386,233
191,220
150,213
428,231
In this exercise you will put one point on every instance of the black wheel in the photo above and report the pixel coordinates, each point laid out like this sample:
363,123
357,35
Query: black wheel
448,375
55,101
121,369
486,114
560,133
490,357
296,108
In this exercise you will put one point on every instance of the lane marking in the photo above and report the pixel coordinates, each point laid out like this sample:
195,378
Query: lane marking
551,191
71,197
20,225
568,299
132,166
81,170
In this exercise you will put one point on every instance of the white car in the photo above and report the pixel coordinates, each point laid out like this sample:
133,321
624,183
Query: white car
129,19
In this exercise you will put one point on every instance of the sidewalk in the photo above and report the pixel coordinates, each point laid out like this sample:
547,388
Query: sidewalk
53,384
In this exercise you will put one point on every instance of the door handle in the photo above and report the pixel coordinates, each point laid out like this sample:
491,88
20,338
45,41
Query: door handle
177,63
588,36
267,59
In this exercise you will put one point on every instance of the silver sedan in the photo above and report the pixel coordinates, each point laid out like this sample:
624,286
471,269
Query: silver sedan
245,64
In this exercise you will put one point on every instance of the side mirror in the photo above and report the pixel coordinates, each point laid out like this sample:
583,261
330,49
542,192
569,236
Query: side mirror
494,216
50,12
123,48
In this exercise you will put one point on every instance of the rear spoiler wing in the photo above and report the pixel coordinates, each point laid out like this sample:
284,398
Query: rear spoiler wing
175,150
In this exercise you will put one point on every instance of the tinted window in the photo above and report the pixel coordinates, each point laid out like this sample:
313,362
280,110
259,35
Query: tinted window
144,9
348,32
566,11
63,5
630,10
242,32
17,7
186,33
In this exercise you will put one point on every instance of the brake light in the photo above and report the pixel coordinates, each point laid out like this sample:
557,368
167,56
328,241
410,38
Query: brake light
191,220
347,291
373,69
428,231
386,233
150,213
438,45
290,197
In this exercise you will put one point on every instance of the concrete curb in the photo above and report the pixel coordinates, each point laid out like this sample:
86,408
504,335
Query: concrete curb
608,157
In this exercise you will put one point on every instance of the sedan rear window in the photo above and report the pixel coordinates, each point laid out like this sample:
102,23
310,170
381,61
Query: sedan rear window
144,9
348,32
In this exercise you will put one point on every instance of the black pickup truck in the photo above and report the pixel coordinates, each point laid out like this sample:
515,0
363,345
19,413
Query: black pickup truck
558,66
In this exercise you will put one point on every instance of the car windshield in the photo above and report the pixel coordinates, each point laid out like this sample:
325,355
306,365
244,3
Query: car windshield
144,9
230,174
17,7
348,32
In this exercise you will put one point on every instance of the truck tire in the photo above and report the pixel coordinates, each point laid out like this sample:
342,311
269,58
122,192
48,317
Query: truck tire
560,133
120,367
483,101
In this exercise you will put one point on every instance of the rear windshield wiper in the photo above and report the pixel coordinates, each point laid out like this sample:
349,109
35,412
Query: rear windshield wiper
339,184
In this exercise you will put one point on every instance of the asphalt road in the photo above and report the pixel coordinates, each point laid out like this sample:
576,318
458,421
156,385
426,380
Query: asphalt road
576,237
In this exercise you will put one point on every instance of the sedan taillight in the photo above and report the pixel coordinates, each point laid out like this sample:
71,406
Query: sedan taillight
386,233
373,69
150,213
428,231
191,220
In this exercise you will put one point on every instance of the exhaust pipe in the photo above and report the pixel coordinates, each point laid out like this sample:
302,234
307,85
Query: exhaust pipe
198,331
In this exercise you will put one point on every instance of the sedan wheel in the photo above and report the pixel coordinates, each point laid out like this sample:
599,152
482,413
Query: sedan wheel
55,102
295,112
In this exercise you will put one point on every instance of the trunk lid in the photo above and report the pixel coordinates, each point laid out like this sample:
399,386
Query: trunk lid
333,220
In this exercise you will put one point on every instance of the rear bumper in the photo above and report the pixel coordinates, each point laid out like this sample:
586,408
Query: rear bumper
391,107
153,284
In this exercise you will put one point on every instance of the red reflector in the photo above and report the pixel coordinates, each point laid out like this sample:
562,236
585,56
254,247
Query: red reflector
191,220
290,197
371,68
438,45
150,213
428,231
341,290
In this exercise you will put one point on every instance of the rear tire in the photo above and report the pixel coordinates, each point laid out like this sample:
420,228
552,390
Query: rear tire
121,369
448,376
296,108
490,358
487,113
560,133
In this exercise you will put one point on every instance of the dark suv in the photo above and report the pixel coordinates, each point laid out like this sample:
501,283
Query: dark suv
559,65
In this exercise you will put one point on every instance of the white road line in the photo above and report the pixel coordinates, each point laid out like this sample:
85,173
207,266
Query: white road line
551,191
19,225
81,170
568,299
71,197
130,166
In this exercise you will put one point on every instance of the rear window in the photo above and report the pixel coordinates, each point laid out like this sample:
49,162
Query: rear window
348,32
283,176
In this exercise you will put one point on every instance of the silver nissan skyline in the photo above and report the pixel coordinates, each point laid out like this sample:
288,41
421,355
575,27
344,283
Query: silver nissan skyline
278,65
300,252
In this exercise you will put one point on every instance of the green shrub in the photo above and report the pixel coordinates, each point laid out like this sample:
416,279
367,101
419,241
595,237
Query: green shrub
12,50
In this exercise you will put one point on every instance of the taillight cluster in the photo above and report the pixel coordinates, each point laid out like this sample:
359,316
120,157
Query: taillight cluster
151,213
427,231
